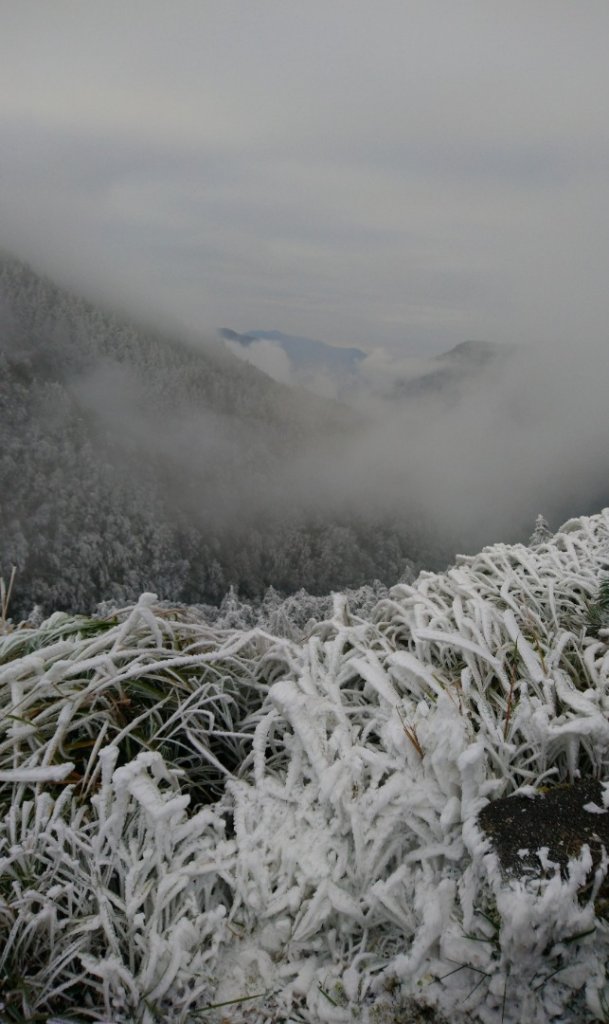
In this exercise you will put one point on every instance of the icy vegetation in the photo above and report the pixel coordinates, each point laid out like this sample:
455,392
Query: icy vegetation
226,821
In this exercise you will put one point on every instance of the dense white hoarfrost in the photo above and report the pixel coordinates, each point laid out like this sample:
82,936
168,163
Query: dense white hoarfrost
226,824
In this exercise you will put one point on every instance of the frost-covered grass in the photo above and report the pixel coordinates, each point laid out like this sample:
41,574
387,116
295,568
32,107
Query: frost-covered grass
206,823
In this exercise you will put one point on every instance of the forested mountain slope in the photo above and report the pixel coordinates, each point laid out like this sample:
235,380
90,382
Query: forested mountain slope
130,460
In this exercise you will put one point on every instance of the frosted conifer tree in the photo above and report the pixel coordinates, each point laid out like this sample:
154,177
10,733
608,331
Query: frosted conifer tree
541,533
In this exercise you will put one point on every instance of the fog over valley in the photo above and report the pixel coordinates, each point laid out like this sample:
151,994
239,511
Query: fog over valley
138,460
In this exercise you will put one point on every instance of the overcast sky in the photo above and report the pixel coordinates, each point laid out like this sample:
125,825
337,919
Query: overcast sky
408,174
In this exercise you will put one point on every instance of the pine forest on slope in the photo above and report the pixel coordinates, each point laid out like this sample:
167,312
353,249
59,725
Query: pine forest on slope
132,459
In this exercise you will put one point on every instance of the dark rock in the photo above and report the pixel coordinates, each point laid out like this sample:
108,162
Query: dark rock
561,819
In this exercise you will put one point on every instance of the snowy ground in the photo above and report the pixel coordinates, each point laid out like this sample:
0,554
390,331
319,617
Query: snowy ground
195,816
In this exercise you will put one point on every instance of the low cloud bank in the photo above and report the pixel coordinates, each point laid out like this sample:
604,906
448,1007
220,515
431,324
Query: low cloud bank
454,451
471,446
476,455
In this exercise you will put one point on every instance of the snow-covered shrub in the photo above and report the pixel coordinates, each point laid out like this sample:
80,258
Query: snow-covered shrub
208,823
114,737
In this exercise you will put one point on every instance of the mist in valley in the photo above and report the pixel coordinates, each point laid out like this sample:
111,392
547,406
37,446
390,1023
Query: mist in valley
473,446
527,434
138,459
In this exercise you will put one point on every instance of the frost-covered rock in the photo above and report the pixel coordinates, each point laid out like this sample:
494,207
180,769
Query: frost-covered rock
540,831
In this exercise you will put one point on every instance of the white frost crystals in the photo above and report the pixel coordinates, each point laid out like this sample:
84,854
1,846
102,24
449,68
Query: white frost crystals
206,823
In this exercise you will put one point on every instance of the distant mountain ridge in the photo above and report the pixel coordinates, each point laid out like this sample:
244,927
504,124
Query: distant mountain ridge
305,353
451,370
311,361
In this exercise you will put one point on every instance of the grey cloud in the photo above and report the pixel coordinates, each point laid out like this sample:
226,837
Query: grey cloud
396,174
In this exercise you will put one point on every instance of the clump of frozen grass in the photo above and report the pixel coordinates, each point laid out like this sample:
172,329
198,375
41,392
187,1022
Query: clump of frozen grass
377,754
120,905
194,815
115,737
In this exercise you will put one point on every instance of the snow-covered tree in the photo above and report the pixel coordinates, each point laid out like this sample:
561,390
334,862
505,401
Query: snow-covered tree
541,532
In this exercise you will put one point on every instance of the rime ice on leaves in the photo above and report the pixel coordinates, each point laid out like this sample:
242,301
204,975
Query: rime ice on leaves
292,822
